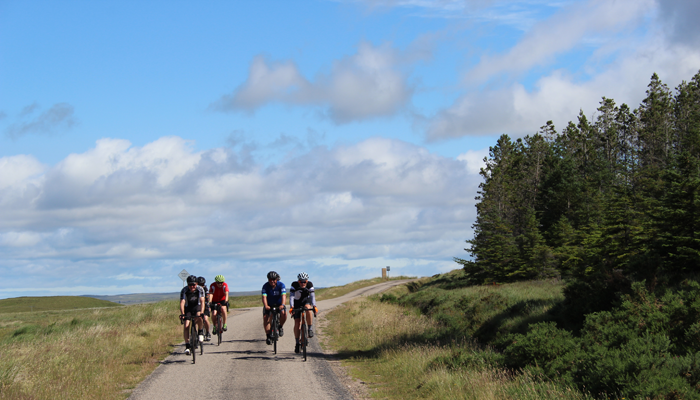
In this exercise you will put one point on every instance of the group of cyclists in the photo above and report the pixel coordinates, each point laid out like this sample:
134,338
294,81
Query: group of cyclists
196,301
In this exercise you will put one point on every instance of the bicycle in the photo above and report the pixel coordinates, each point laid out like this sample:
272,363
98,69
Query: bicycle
275,325
194,336
304,330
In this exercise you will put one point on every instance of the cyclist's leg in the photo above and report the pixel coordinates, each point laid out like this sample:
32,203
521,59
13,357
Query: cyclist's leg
186,331
200,324
297,326
308,310
283,316
207,312
266,321
224,313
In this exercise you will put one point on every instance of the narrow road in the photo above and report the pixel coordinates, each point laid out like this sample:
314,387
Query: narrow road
247,368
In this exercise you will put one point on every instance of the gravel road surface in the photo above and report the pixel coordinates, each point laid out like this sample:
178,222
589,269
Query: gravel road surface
244,367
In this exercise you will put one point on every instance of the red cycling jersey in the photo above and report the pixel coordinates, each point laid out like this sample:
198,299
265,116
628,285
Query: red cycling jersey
218,292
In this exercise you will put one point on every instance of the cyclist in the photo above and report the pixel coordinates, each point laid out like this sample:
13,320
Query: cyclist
218,294
274,293
302,296
202,282
192,304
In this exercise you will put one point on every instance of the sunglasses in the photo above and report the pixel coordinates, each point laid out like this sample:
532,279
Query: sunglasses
302,281
192,284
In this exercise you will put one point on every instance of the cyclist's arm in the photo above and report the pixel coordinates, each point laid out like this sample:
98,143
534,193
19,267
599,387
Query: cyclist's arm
226,295
284,299
312,294
291,297
202,305
264,301
182,306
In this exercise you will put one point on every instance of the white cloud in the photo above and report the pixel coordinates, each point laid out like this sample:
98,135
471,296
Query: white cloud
620,69
18,169
149,210
368,84
561,33
474,159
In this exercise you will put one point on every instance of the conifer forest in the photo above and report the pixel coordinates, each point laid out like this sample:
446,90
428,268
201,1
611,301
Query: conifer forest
611,205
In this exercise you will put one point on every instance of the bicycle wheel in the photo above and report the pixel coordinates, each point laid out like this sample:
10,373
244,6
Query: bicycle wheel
302,337
219,328
275,331
193,341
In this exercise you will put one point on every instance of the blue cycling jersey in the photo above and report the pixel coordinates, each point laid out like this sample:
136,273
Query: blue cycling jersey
274,295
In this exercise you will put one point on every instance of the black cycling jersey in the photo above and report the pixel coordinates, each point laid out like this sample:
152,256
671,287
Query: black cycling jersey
191,298
301,296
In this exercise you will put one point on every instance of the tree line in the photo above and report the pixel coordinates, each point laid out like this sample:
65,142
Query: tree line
617,194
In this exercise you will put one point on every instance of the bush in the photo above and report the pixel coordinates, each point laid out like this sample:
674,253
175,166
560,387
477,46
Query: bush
552,352
645,348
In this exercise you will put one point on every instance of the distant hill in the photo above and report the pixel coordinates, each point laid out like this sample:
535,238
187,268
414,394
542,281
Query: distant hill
138,298
48,303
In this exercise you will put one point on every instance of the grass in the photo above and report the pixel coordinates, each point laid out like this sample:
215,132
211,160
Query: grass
22,304
86,354
406,344
94,353
487,313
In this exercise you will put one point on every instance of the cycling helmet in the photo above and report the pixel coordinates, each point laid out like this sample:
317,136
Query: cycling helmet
273,275
219,278
191,279
201,280
303,276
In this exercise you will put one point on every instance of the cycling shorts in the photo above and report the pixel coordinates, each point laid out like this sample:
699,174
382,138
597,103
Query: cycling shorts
268,312
222,303
191,311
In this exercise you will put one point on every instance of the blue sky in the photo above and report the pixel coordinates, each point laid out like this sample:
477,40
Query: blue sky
332,137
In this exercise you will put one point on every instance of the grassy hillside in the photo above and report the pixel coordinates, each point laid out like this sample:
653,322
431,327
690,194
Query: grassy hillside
49,303
419,340
647,346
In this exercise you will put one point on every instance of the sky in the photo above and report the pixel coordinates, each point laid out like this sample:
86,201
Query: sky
335,137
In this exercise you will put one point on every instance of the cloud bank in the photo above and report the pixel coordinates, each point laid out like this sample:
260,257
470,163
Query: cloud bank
148,211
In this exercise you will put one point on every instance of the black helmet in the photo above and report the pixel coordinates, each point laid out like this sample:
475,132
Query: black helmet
273,275
201,280
191,279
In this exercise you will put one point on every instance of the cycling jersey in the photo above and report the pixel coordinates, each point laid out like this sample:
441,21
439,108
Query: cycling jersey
301,296
192,298
274,295
218,292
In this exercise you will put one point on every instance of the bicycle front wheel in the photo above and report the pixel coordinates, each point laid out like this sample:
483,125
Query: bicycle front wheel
304,339
219,329
275,331
193,341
